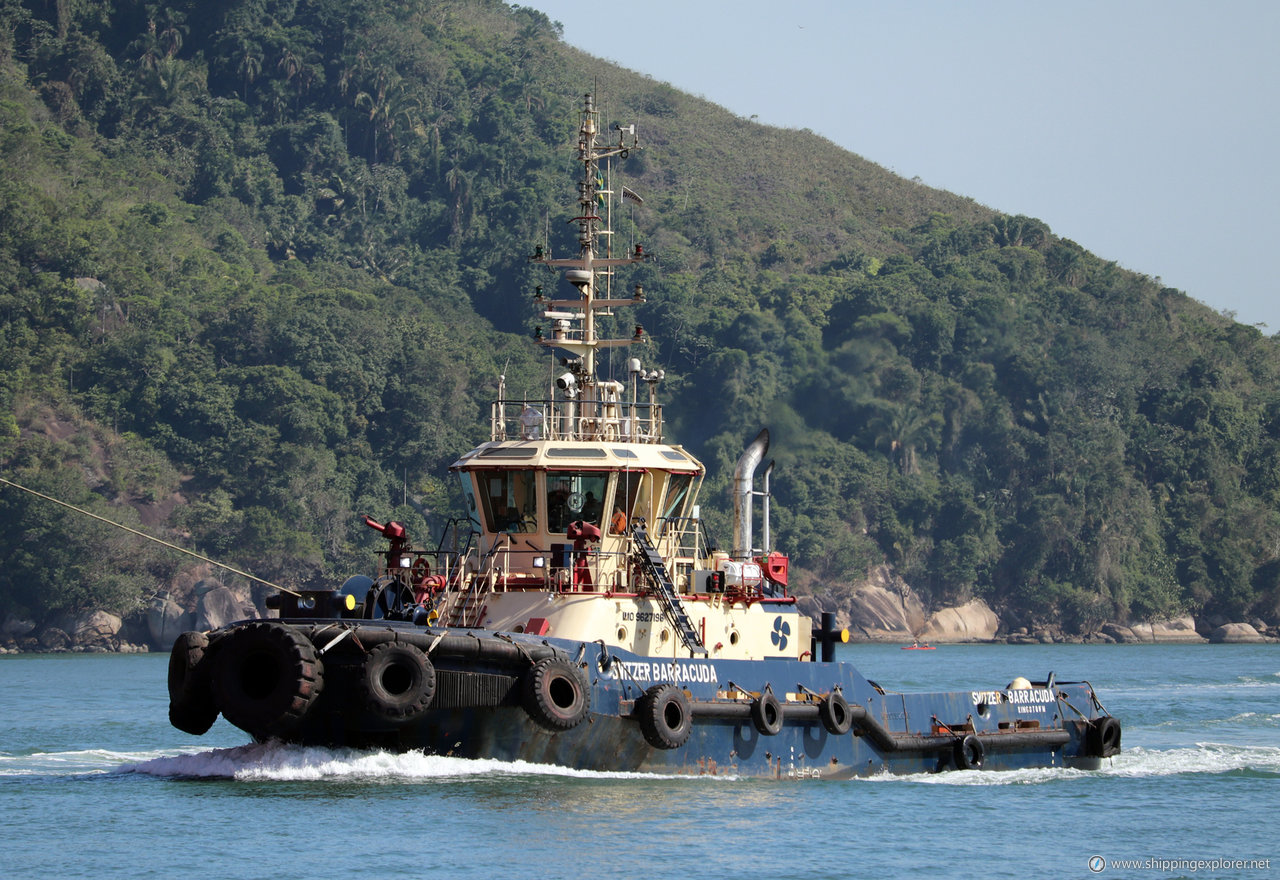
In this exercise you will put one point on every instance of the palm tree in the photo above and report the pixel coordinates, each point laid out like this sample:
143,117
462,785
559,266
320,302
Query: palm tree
1017,231
905,430
170,36
390,106
249,68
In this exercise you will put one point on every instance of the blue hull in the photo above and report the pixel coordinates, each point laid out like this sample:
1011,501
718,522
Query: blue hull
479,706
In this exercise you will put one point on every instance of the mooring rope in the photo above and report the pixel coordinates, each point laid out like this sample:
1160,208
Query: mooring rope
88,513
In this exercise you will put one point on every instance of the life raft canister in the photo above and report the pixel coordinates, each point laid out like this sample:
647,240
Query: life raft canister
266,676
556,694
665,716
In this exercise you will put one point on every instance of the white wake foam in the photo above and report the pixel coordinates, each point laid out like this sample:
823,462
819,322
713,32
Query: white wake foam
80,761
1134,762
275,761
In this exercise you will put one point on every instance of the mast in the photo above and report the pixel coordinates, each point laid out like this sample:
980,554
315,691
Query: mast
581,384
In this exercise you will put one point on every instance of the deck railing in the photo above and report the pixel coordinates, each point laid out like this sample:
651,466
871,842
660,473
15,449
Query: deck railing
597,420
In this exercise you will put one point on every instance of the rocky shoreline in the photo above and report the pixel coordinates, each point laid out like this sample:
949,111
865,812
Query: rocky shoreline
884,609
195,601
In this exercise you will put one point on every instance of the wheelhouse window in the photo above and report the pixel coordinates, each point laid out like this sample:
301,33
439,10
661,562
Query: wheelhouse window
508,499
630,500
677,493
574,496
468,492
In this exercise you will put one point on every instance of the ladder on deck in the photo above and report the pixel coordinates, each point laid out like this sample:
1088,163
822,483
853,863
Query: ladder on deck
471,600
666,590
467,610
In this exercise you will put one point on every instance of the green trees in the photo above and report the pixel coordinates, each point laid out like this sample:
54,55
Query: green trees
267,260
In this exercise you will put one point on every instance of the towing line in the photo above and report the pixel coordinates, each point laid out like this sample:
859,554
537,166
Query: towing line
109,522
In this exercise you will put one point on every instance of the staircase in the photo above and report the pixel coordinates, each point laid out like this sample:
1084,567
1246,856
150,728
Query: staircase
665,589
468,607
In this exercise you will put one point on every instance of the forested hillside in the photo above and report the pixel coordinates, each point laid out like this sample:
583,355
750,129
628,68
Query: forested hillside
262,263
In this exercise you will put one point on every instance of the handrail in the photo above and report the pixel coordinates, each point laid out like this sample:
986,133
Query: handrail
597,420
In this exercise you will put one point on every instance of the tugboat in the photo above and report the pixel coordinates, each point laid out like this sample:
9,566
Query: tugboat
578,616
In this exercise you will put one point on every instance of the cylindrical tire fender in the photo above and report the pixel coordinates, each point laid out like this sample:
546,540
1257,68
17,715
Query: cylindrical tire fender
556,695
665,716
969,753
766,714
398,681
265,678
1104,737
191,705
834,713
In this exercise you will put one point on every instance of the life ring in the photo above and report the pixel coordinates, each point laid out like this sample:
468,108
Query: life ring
1104,737
665,716
766,714
421,568
265,678
969,753
835,715
555,694
191,706
398,681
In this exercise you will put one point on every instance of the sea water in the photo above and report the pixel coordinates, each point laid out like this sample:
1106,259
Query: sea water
95,783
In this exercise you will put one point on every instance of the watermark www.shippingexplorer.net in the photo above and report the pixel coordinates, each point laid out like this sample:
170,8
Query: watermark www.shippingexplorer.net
1099,864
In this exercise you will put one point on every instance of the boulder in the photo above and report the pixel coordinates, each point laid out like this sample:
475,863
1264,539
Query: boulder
880,615
882,609
53,638
96,629
206,586
15,627
1235,633
134,630
970,622
1180,630
219,606
166,621
1046,636
1121,634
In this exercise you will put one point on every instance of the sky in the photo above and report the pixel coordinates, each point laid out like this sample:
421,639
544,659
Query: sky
1146,131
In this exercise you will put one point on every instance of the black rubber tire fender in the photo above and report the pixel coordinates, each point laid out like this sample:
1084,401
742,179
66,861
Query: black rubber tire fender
835,715
766,714
970,753
265,678
398,681
556,695
665,716
191,705
1104,737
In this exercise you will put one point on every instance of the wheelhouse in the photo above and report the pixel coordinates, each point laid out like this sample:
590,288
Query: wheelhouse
558,514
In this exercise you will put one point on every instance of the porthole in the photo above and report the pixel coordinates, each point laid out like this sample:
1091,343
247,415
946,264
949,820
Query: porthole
734,638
